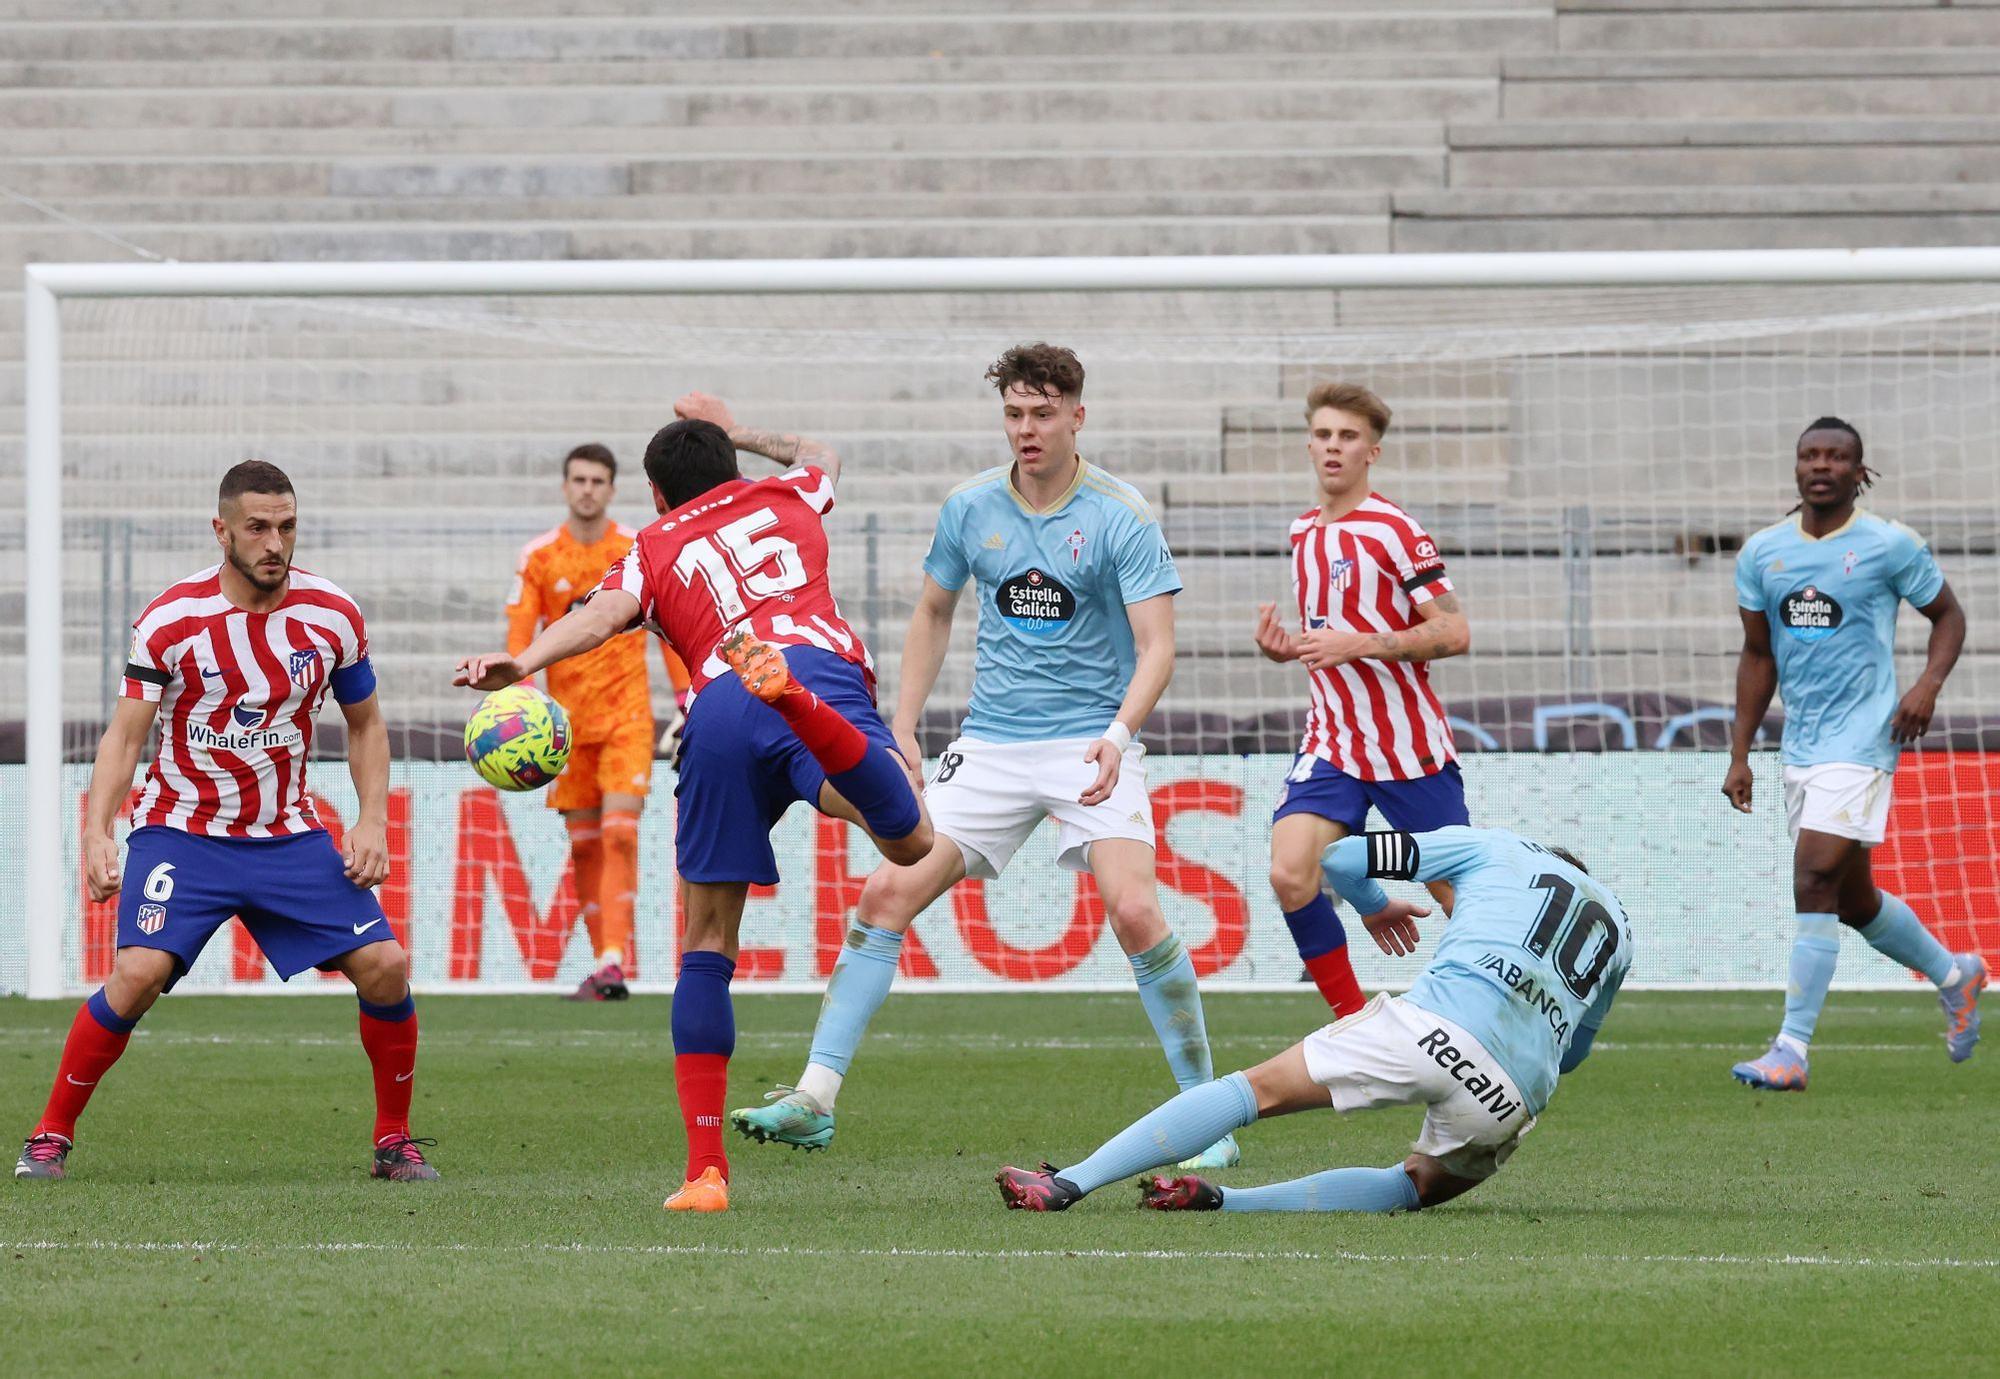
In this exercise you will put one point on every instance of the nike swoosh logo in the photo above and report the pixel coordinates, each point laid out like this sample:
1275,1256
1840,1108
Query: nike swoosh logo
405,1077
74,1082
364,928
208,674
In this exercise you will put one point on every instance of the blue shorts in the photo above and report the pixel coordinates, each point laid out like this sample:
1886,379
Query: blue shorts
742,767
1317,786
292,894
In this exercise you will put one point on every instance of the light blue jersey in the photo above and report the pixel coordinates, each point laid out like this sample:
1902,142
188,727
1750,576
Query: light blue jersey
1054,655
1831,602
1534,952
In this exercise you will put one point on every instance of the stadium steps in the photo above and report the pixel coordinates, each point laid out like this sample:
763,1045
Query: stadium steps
1642,153
992,32
1530,218
900,111
1760,84
1110,72
1661,25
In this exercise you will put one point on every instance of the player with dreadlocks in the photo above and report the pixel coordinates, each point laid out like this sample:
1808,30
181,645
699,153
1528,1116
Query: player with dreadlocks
1831,578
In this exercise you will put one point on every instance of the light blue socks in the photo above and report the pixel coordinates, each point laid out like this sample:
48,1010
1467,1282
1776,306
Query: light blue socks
1815,951
1185,1126
1167,989
860,983
1897,933
1337,1189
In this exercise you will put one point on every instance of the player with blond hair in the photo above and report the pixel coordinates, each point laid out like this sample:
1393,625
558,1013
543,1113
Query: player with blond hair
1375,608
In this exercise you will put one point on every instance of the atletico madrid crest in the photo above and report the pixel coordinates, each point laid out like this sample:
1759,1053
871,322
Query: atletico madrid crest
305,667
152,918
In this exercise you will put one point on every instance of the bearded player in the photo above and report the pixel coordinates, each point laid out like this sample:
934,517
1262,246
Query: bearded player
1375,609
1818,594
1075,644
235,662
734,577
606,694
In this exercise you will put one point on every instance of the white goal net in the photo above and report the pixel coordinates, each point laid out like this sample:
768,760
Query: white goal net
1588,460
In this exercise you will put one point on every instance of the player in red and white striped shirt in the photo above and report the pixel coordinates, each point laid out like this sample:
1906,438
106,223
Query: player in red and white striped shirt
234,663
1375,606
734,570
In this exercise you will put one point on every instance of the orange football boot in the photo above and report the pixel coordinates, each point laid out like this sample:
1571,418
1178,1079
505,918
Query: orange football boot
709,1192
759,665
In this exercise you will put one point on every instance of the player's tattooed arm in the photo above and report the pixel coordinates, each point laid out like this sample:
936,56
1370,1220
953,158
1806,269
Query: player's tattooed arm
1443,632
787,448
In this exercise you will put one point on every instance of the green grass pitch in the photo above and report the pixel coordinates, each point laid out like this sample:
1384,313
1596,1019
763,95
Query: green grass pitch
1660,1220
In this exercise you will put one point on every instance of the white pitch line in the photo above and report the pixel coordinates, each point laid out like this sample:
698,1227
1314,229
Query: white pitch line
628,1040
196,1247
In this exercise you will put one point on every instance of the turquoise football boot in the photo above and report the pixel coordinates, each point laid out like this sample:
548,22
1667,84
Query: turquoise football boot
791,1117
1222,1154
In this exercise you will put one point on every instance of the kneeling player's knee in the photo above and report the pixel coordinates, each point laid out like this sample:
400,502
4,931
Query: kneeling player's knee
1433,1183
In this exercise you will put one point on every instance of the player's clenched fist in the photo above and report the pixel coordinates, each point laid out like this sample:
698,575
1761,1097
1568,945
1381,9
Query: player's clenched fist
100,866
490,672
364,851
704,407
1736,785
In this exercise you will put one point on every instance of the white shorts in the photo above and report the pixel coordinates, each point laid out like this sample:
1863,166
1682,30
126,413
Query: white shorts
1845,799
988,797
1391,1053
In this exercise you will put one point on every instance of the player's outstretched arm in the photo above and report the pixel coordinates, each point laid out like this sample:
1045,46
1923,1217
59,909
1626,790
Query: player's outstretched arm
365,846
584,628
1756,682
787,448
1352,866
1153,666
1912,718
924,646
110,782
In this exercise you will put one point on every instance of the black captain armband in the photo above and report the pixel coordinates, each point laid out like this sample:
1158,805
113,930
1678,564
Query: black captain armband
1392,856
1411,583
147,674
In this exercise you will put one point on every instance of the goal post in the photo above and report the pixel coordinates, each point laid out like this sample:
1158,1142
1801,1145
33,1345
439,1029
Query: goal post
1541,384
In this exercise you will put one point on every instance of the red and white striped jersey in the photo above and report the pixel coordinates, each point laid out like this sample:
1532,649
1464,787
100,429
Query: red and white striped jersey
238,693
743,554
1369,572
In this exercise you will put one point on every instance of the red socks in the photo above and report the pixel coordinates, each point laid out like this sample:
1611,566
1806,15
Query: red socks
1333,974
96,1037
389,1036
835,744
702,1081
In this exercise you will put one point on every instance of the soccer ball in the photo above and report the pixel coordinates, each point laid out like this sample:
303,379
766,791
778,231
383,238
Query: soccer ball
518,738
